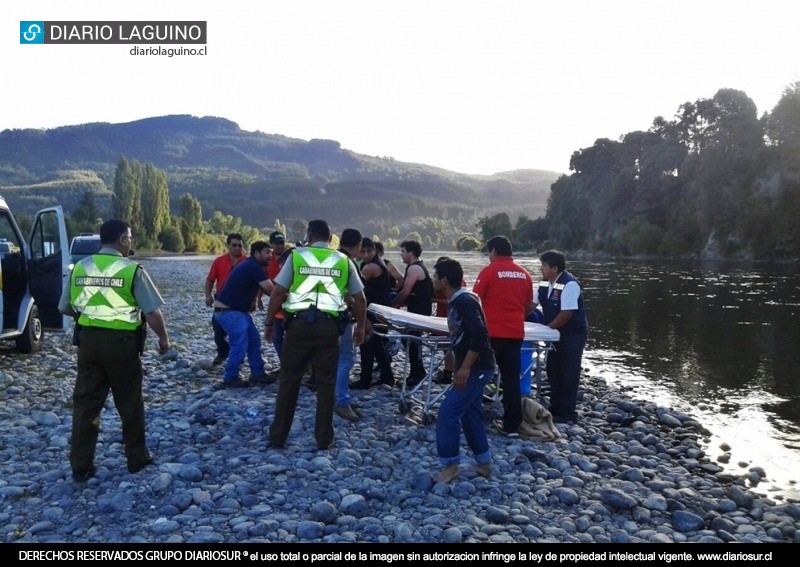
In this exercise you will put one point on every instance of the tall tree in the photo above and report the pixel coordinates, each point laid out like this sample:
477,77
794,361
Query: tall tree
728,167
191,215
528,232
498,224
87,214
783,123
155,201
136,219
125,191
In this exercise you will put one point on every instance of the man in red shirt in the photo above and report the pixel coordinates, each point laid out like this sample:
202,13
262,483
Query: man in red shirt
220,270
506,292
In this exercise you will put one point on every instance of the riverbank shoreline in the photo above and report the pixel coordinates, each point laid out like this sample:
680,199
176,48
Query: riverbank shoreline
629,471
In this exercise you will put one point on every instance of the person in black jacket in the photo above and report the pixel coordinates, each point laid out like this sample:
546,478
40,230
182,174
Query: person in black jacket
560,295
475,366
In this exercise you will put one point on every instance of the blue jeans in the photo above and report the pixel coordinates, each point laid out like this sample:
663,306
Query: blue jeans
244,339
223,349
347,357
463,409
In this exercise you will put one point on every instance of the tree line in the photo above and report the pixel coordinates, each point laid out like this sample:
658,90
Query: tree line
141,197
717,180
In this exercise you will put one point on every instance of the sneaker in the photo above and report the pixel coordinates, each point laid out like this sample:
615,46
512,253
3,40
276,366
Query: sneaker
274,372
235,383
484,470
346,412
450,472
219,359
388,381
510,434
360,385
262,379
83,476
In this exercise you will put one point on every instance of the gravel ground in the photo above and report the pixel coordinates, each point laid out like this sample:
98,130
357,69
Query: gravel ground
630,471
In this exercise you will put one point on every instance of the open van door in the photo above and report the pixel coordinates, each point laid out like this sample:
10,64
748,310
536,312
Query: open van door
49,261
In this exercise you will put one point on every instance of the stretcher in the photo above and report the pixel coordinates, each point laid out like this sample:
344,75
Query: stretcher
432,334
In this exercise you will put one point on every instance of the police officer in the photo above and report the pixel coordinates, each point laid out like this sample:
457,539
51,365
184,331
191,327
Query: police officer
109,293
311,287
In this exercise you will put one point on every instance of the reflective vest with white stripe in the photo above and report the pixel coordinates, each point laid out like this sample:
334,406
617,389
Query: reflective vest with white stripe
320,278
101,290
551,305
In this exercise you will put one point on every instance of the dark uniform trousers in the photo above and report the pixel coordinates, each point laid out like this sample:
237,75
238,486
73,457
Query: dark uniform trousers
507,355
107,360
303,341
564,373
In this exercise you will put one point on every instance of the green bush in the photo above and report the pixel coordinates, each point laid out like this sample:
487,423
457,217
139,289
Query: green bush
171,239
468,243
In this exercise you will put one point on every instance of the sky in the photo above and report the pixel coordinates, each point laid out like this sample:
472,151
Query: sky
474,86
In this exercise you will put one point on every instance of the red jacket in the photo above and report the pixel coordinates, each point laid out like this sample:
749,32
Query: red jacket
505,289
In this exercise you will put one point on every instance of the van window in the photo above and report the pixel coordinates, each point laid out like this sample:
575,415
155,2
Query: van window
45,242
9,241
86,246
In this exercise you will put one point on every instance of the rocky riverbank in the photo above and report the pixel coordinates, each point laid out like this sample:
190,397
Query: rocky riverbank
630,471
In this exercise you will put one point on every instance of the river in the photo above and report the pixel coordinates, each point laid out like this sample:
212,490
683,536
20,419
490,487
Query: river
720,341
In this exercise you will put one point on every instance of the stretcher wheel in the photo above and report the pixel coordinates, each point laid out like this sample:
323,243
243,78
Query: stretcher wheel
428,419
404,407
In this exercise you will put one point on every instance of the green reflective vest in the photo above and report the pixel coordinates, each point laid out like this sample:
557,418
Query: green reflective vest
320,278
101,290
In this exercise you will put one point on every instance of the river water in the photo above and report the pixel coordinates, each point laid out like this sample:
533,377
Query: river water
720,341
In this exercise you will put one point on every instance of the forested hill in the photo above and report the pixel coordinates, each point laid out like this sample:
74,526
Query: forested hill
256,176
716,181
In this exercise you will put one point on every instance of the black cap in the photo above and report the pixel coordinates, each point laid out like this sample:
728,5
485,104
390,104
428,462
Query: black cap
277,238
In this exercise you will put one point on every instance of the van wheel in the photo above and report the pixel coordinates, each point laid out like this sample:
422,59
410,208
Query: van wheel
33,336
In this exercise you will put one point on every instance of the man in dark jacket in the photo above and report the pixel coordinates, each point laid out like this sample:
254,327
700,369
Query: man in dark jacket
562,302
462,407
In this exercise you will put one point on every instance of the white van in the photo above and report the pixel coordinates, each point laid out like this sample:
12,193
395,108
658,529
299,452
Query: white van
31,276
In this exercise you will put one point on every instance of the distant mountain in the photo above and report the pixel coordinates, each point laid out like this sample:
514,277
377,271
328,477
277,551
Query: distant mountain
256,176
